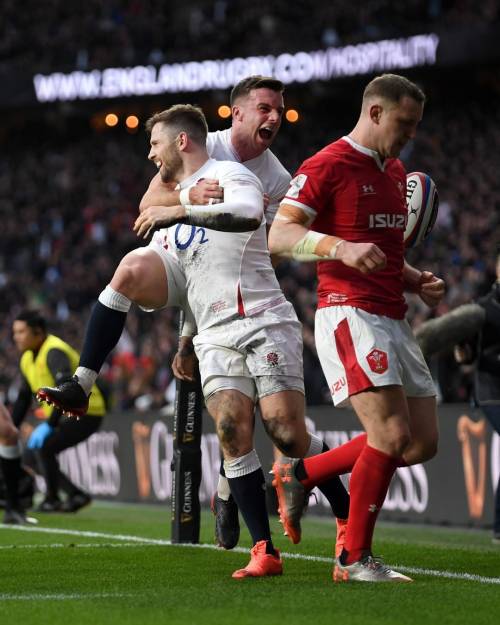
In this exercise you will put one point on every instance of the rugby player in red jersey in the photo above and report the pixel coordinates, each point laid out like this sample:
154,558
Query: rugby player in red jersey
346,208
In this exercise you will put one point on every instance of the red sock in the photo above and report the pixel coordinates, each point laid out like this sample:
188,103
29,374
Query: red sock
333,462
370,479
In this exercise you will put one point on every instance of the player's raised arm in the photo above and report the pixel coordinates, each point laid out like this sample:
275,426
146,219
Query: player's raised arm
290,236
241,210
161,193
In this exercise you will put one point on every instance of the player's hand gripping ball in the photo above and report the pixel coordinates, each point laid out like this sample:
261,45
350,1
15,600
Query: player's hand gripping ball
422,202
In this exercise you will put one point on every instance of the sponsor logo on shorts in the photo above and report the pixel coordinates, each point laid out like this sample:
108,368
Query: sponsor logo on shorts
338,385
218,306
272,359
377,360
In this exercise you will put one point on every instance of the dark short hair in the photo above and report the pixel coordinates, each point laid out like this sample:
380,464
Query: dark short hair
243,88
182,118
33,319
393,87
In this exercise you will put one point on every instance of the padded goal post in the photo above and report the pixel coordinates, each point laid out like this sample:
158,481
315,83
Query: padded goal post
186,462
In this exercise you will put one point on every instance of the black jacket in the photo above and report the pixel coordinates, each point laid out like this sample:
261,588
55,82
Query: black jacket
487,376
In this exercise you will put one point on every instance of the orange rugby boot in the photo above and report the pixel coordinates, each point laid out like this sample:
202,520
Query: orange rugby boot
261,564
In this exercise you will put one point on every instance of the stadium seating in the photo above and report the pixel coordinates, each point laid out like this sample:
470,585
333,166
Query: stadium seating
69,194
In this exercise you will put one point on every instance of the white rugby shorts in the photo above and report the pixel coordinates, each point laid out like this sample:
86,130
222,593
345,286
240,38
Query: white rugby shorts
174,274
358,351
258,355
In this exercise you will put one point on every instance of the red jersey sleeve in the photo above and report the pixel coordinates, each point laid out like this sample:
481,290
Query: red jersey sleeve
312,185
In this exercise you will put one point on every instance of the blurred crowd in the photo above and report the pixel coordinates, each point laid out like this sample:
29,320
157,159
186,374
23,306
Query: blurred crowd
68,202
64,35
69,194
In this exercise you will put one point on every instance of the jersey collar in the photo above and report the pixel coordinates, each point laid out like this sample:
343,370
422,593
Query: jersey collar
361,148
198,175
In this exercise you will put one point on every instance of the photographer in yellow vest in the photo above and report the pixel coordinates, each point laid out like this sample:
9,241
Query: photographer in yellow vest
47,360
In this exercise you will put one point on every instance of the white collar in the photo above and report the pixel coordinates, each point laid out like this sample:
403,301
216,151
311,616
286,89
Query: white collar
361,148
193,178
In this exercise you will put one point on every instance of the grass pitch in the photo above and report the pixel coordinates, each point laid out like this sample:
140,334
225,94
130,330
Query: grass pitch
112,564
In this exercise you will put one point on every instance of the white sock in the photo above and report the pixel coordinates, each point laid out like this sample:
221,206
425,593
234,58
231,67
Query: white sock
238,467
114,300
223,490
86,378
10,452
316,446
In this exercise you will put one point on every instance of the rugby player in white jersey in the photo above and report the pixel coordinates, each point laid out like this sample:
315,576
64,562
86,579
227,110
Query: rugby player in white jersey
257,105
245,327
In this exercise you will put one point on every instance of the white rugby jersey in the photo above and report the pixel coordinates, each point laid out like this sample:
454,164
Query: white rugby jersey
274,177
227,273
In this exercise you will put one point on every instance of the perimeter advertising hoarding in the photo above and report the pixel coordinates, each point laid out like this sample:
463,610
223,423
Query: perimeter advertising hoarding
130,460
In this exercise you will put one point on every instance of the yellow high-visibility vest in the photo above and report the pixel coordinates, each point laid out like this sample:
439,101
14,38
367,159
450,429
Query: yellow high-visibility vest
35,370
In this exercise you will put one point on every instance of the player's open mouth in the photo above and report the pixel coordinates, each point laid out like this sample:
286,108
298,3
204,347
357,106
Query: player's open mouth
158,164
266,133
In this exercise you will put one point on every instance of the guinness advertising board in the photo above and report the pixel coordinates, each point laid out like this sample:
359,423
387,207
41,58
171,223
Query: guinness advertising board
132,456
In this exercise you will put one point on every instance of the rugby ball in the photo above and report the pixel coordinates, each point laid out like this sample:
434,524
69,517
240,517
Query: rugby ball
422,203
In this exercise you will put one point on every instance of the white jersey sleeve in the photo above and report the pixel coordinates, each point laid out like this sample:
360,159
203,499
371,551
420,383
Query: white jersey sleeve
243,192
242,207
274,178
278,192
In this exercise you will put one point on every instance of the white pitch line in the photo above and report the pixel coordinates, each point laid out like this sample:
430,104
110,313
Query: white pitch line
138,540
470,577
61,596
72,546
66,532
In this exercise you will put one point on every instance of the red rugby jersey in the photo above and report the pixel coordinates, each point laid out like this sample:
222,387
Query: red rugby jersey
353,195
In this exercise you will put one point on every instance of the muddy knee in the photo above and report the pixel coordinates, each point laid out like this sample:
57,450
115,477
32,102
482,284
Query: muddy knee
286,437
234,437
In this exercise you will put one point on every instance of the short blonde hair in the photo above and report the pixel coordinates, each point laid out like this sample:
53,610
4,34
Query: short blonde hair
393,87
182,118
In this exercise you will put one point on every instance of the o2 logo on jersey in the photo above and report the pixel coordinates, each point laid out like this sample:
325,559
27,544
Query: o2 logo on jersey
193,234
377,360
